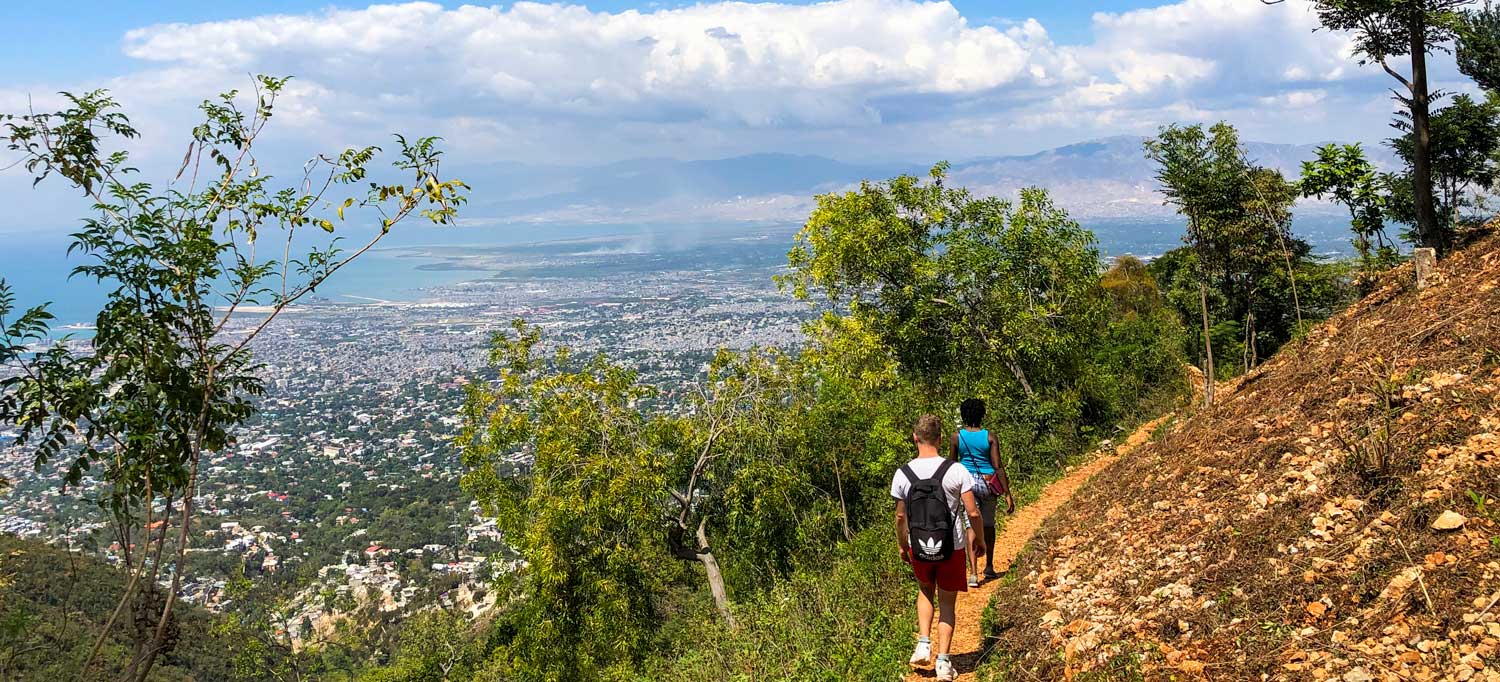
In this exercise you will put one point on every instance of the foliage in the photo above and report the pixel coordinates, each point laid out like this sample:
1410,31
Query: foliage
260,625
1238,231
1323,289
588,515
1130,287
1383,28
436,646
975,297
1342,173
1139,357
1478,47
1465,139
1202,173
659,486
843,615
945,278
53,603
848,442
1412,28
162,382
751,520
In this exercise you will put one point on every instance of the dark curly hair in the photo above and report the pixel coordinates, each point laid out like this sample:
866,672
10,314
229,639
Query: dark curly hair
972,411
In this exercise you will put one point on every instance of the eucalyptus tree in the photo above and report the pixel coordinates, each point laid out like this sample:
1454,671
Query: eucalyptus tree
195,269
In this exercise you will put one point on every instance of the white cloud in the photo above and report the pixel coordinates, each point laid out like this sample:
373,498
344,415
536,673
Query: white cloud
1253,42
1269,69
750,63
1208,49
846,78
1296,99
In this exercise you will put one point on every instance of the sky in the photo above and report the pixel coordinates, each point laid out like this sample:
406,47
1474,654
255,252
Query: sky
590,83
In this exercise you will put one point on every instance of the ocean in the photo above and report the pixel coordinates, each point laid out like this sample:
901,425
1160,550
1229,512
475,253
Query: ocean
408,265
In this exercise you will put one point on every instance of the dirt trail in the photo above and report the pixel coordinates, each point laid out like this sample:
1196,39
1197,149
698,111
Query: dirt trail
967,647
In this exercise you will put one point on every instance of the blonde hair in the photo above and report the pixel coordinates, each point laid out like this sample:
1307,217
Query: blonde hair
929,429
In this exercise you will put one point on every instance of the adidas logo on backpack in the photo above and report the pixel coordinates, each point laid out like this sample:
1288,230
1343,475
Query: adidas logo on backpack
929,520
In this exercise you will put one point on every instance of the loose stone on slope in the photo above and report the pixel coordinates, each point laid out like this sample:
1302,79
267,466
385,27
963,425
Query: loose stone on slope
1449,520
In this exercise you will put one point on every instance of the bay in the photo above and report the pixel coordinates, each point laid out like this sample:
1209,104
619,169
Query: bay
407,265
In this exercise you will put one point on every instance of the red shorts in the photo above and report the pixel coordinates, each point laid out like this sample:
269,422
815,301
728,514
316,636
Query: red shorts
951,575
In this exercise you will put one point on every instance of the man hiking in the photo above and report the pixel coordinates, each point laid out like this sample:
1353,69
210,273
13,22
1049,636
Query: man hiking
930,493
975,447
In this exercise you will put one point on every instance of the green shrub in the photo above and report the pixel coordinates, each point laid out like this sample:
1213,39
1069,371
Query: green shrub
847,617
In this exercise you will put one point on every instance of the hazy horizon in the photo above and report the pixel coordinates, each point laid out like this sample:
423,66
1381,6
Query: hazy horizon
875,83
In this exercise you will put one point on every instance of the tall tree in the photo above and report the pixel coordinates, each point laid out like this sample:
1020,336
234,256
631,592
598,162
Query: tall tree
1239,224
1202,173
164,382
1384,29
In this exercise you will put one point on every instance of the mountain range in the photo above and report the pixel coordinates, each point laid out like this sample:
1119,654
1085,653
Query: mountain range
1105,178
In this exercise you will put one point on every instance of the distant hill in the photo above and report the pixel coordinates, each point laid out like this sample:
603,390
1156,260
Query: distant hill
755,188
1111,177
1336,515
1106,178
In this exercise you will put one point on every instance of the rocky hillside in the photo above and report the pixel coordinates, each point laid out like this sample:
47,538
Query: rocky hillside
1334,516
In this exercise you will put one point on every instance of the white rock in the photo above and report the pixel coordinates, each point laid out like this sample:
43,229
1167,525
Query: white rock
1449,520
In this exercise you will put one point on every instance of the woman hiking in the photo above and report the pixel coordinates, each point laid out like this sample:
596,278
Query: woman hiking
977,450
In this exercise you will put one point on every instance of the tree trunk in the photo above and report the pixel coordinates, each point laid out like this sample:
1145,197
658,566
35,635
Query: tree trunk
843,509
158,640
1251,359
1208,348
1021,377
1245,347
715,577
1427,226
1254,350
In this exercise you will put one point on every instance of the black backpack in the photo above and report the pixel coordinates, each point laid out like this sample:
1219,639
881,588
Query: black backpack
929,520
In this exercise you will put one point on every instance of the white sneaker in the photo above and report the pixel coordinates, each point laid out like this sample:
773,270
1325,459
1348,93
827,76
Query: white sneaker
945,671
922,654
973,581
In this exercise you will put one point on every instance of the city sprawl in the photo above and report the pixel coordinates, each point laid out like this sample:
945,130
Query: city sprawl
345,489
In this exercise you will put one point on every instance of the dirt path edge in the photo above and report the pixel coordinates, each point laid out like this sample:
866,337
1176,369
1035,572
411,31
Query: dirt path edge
968,642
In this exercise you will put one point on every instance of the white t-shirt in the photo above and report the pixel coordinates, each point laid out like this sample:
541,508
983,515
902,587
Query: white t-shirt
955,483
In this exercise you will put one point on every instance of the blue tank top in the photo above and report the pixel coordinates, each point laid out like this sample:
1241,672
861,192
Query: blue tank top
974,451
